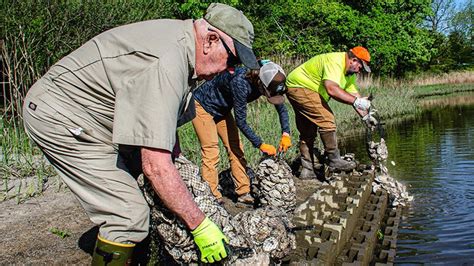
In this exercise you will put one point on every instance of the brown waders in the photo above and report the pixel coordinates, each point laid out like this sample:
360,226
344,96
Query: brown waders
307,161
313,114
332,152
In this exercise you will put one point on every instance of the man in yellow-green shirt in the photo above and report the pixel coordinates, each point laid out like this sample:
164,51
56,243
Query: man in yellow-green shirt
310,87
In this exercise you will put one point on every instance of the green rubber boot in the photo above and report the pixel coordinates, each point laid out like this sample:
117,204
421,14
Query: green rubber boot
111,253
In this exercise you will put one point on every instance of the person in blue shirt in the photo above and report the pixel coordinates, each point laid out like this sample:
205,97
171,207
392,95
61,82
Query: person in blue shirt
214,101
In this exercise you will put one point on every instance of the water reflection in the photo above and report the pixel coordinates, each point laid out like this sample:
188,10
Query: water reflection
434,157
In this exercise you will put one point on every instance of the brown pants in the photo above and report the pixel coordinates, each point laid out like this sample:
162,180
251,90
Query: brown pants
208,132
311,112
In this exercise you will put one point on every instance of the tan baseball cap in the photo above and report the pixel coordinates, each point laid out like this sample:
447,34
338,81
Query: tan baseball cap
273,78
234,23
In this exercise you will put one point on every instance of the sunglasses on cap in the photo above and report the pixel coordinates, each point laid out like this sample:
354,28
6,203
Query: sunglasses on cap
232,60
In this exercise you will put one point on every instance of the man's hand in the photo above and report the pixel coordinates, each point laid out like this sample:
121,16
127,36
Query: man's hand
210,240
362,103
268,149
285,142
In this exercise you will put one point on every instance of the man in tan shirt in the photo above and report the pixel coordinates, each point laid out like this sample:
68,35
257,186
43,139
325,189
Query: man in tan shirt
124,90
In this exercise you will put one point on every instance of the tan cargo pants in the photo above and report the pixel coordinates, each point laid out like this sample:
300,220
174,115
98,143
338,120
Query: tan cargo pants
89,165
209,132
311,112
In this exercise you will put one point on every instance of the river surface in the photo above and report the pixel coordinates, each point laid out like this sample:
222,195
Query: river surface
434,157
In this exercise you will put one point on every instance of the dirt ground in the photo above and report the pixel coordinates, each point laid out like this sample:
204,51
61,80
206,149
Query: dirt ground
26,228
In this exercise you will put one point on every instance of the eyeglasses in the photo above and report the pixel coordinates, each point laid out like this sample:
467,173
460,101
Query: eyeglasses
232,60
276,88
279,90
277,85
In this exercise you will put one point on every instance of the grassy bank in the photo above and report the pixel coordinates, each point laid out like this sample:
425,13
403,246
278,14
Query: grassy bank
392,103
24,172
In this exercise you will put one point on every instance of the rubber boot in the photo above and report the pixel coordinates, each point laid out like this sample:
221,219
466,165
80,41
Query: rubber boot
307,170
111,253
332,152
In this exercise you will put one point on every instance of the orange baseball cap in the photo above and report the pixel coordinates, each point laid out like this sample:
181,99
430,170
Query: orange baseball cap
363,55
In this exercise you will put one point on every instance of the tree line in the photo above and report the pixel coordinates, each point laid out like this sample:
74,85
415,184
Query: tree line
403,36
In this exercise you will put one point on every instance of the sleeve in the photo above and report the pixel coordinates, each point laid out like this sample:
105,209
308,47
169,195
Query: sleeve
284,118
240,88
351,86
146,108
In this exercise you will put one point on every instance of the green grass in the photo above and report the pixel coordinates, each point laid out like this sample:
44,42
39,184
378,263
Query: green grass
442,89
59,232
23,170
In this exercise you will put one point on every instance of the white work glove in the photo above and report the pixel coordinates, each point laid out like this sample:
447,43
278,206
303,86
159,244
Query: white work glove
370,120
362,103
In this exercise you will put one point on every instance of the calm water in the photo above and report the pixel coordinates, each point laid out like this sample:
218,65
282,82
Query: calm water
434,156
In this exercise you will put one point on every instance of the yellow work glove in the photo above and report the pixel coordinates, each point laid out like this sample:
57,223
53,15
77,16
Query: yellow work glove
268,149
285,142
210,241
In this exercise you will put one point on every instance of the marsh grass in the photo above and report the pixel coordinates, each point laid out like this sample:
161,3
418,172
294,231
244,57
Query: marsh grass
426,79
459,77
23,169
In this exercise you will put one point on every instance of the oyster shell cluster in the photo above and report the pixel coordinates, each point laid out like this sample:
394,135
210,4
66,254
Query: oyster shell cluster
166,226
398,192
260,230
378,152
274,185
267,229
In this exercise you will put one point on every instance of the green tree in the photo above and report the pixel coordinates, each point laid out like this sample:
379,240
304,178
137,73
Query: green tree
460,51
442,12
304,28
453,50
462,21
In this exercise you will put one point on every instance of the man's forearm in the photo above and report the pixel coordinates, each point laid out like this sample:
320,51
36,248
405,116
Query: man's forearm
337,93
176,196
171,189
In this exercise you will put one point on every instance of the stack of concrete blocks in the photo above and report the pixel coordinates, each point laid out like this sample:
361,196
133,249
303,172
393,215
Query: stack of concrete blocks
360,247
333,211
386,249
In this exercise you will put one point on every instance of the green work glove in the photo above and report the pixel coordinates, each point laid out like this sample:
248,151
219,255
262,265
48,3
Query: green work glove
210,240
